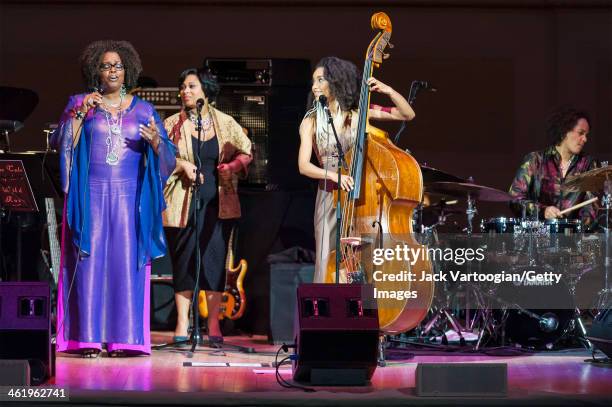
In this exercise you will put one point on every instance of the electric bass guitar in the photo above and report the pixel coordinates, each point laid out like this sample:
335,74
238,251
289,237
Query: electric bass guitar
233,299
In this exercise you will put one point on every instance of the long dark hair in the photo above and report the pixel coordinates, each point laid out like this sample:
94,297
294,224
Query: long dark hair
91,57
344,81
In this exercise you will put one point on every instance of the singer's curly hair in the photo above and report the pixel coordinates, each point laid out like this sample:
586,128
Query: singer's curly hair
209,83
562,121
344,81
91,58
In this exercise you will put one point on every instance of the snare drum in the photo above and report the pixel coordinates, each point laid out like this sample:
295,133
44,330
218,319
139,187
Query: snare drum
565,226
500,225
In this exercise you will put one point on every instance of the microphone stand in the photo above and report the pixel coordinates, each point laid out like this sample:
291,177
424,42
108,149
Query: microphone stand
341,164
415,87
196,338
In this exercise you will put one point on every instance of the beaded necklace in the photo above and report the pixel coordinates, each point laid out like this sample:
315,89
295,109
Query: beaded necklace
113,139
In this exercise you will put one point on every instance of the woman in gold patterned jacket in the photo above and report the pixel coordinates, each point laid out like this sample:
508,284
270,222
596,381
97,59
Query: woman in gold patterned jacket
224,154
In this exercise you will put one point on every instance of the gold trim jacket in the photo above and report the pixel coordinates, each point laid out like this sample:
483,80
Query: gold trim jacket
233,144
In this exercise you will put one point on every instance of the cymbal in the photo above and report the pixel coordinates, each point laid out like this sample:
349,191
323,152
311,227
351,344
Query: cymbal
434,175
462,189
592,180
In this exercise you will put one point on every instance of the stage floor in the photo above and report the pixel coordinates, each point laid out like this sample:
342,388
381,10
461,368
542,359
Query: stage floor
549,378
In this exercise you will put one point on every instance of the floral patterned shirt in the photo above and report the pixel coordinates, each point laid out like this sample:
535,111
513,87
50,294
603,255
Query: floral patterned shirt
539,179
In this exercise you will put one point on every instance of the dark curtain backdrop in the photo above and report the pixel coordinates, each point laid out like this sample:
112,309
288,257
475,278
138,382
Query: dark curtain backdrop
499,68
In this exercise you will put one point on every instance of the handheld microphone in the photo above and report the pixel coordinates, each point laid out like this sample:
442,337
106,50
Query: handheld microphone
99,89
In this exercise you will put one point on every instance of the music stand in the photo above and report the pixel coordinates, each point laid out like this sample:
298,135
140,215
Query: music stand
15,195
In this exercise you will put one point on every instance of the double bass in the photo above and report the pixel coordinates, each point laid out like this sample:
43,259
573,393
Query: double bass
379,209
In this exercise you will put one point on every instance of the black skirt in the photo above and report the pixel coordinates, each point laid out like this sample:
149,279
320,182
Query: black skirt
214,235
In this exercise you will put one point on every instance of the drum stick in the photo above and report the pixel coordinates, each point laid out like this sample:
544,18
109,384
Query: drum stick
580,205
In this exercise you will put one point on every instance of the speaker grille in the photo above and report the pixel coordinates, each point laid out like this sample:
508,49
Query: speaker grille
250,109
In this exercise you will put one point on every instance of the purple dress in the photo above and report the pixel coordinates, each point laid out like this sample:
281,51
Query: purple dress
103,294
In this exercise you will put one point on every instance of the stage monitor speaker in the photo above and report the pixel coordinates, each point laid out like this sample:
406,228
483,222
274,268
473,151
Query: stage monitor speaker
336,335
600,333
25,327
462,379
268,98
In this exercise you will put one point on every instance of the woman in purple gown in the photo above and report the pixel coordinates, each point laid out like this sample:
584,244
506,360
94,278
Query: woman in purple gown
115,157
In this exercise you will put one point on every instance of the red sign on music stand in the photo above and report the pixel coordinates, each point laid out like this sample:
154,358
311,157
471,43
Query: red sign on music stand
15,190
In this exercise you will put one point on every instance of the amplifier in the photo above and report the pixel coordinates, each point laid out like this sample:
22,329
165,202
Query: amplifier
284,280
268,98
260,72
165,100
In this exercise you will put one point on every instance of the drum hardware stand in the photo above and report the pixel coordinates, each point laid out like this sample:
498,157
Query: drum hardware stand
603,300
531,226
445,312
576,323
582,333
482,314
471,212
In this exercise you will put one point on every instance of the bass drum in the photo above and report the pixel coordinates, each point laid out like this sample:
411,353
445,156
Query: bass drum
535,314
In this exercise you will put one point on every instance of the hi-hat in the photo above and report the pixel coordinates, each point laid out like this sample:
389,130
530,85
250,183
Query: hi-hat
462,189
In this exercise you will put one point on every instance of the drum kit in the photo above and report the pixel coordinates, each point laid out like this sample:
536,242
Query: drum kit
524,314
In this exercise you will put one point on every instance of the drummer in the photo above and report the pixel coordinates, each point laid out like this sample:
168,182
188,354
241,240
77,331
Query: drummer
542,173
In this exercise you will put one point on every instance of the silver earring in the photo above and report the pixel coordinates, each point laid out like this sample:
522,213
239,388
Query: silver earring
122,91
